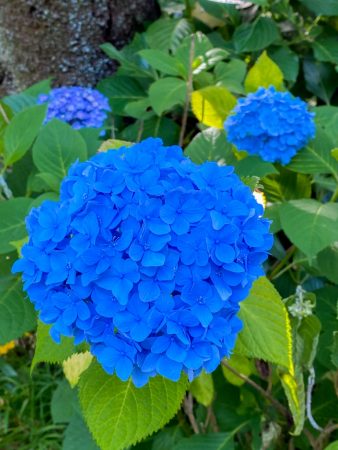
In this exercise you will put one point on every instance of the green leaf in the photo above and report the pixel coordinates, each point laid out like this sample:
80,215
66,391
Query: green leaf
271,212
77,435
209,145
46,350
287,185
309,224
139,109
255,36
64,403
12,225
254,166
113,144
48,179
120,91
42,87
320,7
332,446
57,147
75,365
264,73
21,132
316,157
326,311
231,75
17,313
92,139
326,49
166,93
242,365
19,102
118,414
334,349
266,332
212,105
160,60
326,118
202,46
328,263
214,441
130,62
287,61
320,79
293,386
202,388
165,128
167,34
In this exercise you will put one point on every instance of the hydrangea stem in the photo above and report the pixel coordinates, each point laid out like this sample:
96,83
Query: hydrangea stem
284,411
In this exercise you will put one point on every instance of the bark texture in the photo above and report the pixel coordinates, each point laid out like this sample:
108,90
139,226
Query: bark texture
61,38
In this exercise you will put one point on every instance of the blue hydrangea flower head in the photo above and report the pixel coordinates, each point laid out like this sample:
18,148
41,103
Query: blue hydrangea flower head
81,107
271,124
146,257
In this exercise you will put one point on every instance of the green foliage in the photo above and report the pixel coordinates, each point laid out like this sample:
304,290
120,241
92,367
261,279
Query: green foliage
46,350
266,332
17,314
188,69
118,414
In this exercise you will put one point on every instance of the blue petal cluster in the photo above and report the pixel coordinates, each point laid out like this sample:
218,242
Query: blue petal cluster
146,257
79,106
271,124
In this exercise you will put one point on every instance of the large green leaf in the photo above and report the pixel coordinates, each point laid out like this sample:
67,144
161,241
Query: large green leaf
231,75
254,166
202,388
264,73
167,34
209,145
212,105
17,313
326,49
266,332
46,350
21,132
309,224
214,441
320,79
77,436
12,224
327,120
57,147
316,157
160,60
166,93
328,263
256,35
287,60
118,414
121,90
320,7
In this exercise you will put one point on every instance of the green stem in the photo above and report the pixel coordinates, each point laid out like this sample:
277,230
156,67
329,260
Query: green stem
334,195
275,270
286,268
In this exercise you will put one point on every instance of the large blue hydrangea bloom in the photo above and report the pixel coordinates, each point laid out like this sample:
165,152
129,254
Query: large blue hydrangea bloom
271,124
81,107
146,257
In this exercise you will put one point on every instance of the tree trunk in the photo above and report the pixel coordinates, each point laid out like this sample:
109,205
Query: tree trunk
61,38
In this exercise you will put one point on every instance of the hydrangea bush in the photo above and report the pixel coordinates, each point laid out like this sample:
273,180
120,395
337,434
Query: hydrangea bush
146,257
274,125
81,107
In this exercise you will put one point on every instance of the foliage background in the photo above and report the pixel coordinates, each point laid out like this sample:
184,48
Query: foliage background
179,79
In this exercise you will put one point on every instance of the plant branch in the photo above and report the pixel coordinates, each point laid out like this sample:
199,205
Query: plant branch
284,411
189,90
188,406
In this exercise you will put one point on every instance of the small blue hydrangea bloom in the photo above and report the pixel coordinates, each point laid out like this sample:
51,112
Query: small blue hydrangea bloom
271,124
146,257
81,107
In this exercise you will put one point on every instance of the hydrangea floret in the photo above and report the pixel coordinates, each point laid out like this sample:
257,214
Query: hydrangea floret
271,124
81,107
146,257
